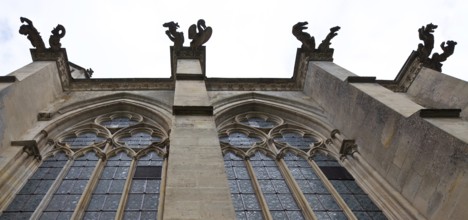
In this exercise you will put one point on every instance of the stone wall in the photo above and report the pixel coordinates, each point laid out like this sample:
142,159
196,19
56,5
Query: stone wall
418,157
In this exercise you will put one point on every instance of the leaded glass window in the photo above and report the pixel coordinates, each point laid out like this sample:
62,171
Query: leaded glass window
100,183
243,195
277,194
65,199
108,192
240,139
258,122
288,183
139,139
296,140
119,122
143,198
32,193
317,195
83,140
357,200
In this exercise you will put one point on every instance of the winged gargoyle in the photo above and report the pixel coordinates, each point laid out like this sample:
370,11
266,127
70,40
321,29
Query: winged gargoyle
199,34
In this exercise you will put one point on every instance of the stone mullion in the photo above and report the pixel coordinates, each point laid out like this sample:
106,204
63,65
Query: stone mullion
162,190
296,191
88,190
258,191
128,183
50,193
332,191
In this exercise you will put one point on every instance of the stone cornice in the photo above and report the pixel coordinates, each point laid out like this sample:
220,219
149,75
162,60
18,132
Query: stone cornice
295,83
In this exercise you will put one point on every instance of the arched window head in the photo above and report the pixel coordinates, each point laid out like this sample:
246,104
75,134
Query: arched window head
84,136
118,120
240,138
140,137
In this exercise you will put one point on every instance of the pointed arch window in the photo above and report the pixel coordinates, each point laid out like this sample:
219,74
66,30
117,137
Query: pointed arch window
91,175
294,180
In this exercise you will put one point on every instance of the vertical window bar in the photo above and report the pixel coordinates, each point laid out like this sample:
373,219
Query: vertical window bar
356,199
143,197
243,194
106,196
314,188
276,192
33,192
66,197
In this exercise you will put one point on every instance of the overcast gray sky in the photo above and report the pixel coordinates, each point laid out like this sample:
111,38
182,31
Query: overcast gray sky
250,38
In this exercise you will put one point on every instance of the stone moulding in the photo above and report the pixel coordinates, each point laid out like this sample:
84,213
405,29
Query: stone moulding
406,76
30,147
361,79
61,59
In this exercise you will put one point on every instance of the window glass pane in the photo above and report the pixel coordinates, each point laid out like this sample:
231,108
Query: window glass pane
140,139
83,140
119,122
258,122
275,190
240,140
143,198
106,196
242,193
296,140
317,195
32,193
356,199
65,199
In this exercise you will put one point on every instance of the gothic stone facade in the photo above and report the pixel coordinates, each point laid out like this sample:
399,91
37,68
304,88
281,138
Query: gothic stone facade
323,144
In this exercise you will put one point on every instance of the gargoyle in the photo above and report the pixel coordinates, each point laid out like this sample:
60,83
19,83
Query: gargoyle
325,45
424,50
425,34
54,40
174,35
201,36
308,42
33,35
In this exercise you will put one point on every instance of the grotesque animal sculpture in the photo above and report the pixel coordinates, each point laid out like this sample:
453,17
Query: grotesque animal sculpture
199,34
33,35
174,35
54,40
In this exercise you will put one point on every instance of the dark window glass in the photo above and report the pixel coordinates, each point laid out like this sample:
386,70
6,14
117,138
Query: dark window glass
143,198
274,188
242,193
106,196
258,122
356,199
65,199
140,139
296,140
119,122
318,196
240,140
83,140
32,193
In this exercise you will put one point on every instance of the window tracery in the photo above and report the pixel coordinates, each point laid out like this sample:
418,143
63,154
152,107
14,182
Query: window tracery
292,176
104,168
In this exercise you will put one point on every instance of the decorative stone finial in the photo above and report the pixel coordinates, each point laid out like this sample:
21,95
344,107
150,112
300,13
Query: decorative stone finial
424,50
174,35
54,40
31,32
308,42
199,34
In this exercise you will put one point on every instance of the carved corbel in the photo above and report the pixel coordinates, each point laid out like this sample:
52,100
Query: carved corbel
30,147
334,133
348,147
